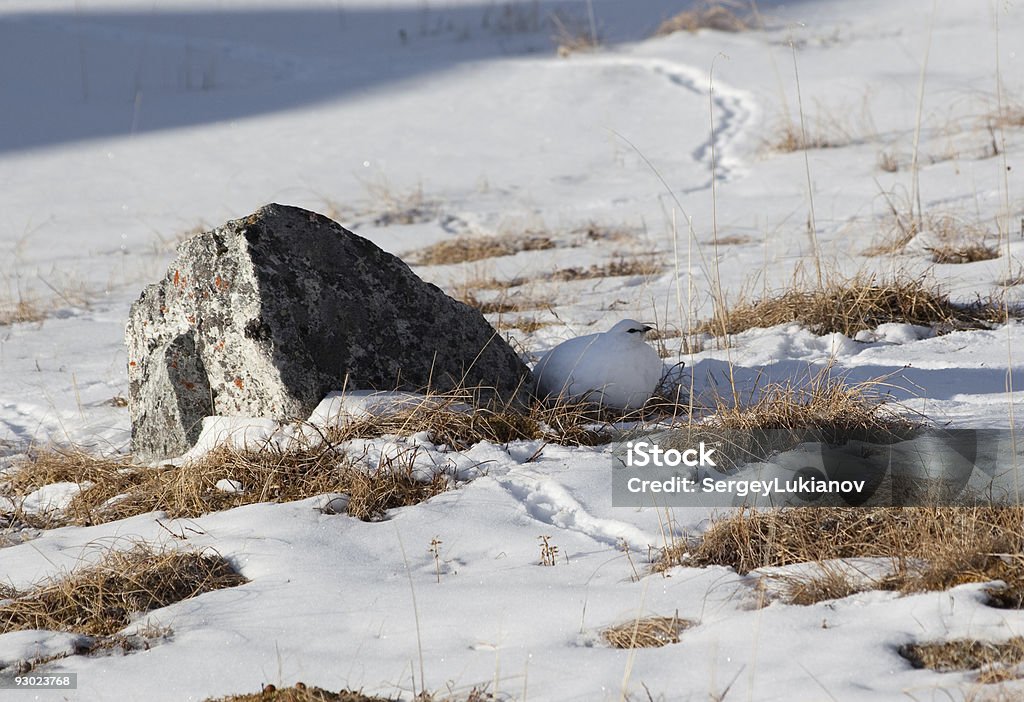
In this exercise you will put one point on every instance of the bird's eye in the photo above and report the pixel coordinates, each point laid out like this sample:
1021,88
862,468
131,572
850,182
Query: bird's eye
634,330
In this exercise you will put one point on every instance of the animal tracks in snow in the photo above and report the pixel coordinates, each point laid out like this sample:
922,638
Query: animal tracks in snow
548,501
733,110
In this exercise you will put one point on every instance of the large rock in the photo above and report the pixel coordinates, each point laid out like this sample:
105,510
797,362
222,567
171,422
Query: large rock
268,313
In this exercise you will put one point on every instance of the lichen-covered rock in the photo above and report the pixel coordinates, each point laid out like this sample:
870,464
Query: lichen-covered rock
266,314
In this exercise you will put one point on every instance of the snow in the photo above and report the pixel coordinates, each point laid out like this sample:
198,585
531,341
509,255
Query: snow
127,124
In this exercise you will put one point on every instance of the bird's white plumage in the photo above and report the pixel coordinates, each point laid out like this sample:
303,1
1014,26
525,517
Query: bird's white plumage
615,369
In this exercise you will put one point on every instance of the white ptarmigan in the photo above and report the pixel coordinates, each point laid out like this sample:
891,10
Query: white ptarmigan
615,369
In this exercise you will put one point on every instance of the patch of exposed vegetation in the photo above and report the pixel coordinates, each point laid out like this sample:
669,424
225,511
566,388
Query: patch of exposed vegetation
477,248
779,416
968,253
862,303
928,548
646,632
965,654
506,302
115,488
619,268
717,15
792,137
20,311
300,692
101,600
391,205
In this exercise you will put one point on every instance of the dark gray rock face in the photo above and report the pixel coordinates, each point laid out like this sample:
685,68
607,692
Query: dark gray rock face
266,314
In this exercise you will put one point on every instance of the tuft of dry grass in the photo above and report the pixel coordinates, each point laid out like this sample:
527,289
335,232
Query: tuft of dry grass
717,15
394,206
828,582
506,302
646,632
1012,279
300,692
789,138
957,240
888,162
20,311
780,416
730,240
1010,116
114,489
573,34
463,249
618,268
101,600
824,408
965,654
850,306
929,548
968,253
527,325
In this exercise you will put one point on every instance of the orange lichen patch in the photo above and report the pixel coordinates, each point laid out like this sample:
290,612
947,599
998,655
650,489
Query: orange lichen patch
239,384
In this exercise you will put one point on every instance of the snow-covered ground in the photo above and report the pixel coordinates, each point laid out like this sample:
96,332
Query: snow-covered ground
124,125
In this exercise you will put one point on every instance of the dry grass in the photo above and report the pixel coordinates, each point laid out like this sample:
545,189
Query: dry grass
888,162
506,302
929,548
573,34
789,138
827,582
965,654
393,206
850,306
618,268
21,311
968,253
717,15
1011,116
823,408
957,240
1011,279
646,632
686,344
527,325
114,488
477,248
101,600
779,416
730,240
300,692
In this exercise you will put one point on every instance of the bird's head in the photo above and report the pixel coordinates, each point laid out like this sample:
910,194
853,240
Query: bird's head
631,326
